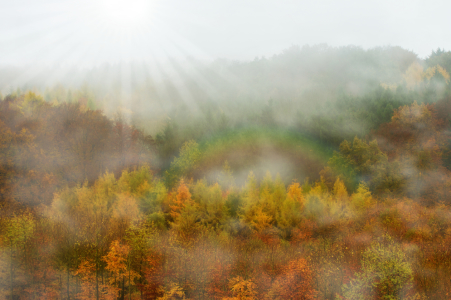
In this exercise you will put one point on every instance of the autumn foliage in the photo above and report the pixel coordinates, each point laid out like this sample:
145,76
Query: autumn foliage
86,215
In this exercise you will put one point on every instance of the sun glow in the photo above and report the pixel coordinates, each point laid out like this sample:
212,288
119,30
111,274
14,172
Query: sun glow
124,15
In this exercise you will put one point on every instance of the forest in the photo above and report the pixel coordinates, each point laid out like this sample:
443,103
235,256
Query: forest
318,173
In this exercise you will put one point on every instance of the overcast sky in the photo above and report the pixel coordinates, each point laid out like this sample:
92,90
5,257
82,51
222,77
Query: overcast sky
97,31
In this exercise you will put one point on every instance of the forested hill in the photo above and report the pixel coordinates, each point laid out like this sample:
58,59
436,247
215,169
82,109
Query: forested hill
46,147
318,173
250,114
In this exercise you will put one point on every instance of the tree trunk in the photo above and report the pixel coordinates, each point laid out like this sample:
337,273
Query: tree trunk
123,288
68,284
129,287
11,271
97,272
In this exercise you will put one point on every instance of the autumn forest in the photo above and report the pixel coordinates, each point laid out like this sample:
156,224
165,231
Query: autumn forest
317,173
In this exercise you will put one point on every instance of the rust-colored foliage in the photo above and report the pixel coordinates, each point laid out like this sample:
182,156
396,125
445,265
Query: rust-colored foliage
295,283
182,198
153,276
110,238
218,286
414,129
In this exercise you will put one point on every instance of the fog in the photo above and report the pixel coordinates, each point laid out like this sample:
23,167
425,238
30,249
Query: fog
225,150
93,32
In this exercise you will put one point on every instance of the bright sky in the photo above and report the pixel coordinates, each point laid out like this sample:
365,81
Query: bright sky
87,32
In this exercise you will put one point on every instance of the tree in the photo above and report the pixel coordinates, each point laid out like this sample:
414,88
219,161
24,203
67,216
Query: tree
386,273
357,160
413,75
172,292
416,139
362,198
242,289
185,164
8,142
296,282
414,129
365,162
340,191
118,263
440,57
125,214
182,199
291,209
143,259
211,205
17,230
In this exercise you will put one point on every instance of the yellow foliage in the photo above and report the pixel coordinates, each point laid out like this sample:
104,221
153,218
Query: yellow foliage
413,75
340,191
143,188
317,190
413,115
388,86
430,72
443,72
242,289
173,292
30,103
116,258
362,199
295,193
32,97
126,208
260,220
116,261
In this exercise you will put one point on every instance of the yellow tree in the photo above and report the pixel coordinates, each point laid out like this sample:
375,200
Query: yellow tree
413,75
340,191
118,263
291,209
172,292
242,289
125,213
94,212
17,230
362,198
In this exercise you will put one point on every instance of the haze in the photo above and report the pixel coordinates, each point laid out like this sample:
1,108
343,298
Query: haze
77,32
225,150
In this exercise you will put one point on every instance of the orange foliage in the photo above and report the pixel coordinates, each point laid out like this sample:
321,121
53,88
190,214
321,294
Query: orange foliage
295,283
295,193
182,198
413,129
153,276
218,286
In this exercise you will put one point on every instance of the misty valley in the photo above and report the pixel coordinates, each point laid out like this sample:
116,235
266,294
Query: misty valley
317,173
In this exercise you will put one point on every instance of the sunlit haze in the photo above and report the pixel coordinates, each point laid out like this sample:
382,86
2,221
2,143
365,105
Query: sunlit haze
123,15
92,32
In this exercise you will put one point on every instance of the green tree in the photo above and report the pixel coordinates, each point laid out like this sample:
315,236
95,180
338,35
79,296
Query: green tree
185,164
365,162
212,210
386,273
